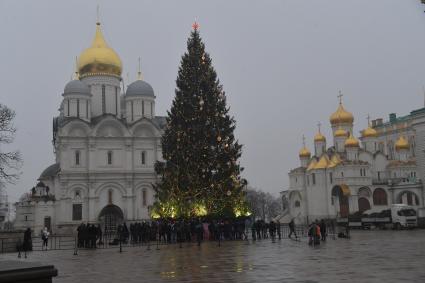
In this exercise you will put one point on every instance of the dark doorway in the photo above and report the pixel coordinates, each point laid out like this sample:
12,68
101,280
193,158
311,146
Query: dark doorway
110,217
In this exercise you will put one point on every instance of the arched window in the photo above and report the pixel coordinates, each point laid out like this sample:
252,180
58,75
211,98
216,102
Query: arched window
409,198
380,197
363,204
143,157
103,100
143,108
110,196
144,197
132,110
364,192
297,203
77,157
110,157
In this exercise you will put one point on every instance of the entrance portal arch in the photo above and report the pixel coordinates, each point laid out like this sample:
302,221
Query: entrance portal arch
341,194
110,217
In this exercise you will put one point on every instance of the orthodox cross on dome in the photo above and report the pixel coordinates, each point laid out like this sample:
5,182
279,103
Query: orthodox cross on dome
368,119
97,15
76,74
319,126
139,72
303,140
195,25
340,95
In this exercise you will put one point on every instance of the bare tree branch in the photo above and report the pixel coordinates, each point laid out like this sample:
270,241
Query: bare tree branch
10,162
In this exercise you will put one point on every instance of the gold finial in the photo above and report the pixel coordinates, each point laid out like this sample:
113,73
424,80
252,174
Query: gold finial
139,72
340,95
76,74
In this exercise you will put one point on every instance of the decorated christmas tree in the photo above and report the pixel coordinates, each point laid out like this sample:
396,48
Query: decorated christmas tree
201,172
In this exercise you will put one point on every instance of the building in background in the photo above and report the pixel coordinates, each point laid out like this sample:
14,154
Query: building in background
4,209
106,142
384,166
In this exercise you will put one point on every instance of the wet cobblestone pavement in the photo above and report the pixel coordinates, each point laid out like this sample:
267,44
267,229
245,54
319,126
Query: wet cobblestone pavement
369,256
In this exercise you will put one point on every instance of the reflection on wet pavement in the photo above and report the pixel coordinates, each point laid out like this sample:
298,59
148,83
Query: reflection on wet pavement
369,256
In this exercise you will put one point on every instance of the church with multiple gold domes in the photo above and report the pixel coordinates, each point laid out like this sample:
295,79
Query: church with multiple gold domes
106,141
349,174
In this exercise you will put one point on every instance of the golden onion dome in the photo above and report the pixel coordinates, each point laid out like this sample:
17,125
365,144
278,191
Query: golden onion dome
351,141
99,58
319,137
304,153
340,133
369,133
401,144
341,116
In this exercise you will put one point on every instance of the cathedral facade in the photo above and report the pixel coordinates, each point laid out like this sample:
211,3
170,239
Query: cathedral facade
384,166
106,142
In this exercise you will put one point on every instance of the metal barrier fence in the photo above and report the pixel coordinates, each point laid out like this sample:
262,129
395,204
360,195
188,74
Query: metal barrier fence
70,242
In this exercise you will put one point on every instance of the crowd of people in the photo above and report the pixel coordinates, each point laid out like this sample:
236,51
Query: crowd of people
89,235
169,231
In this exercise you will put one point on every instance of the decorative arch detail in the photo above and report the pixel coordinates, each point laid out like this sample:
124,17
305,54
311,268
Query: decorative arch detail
380,197
110,185
408,197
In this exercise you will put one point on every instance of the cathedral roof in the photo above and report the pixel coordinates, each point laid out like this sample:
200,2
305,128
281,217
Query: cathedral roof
304,153
99,58
50,171
141,88
340,132
401,143
369,133
399,163
76,87
351,141
341,116
323,162
319,137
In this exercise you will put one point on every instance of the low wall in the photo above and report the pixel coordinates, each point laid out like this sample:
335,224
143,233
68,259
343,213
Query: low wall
9,240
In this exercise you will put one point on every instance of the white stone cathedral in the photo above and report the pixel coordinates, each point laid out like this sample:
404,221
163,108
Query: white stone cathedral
348,176
106,142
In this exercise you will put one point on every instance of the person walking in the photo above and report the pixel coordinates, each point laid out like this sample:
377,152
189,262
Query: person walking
292,229
323,230
45,237
278,229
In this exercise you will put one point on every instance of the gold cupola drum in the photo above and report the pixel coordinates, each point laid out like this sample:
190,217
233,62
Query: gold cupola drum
99,58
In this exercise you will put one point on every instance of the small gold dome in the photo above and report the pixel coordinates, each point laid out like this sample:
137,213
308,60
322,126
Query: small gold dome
341,133
370,133
351,141
319,137
402,143
304,153
341,116
99,58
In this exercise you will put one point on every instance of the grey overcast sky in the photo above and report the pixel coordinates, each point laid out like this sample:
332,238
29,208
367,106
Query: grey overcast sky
281,64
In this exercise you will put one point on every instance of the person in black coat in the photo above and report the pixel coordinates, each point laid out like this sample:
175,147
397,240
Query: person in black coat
27,245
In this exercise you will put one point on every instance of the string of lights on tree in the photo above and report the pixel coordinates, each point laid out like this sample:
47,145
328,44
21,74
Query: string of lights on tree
201,172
